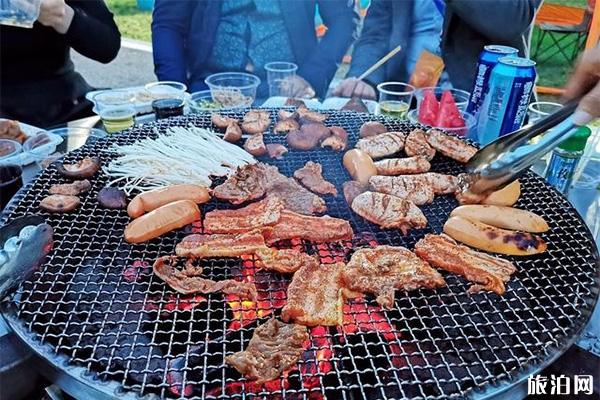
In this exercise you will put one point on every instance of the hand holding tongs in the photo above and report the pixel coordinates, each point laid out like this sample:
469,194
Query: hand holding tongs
505,159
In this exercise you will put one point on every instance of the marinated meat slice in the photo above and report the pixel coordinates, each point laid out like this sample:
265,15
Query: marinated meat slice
442,183
353,189
356,104
292,102
248,183
71,189
255,145
188,280
283,114
400,166
372,128
314,296
311,176
220,245
256,121
382,145
488,272
315,229
286,125
383,269
222,122
274,348
389,211
417,191
256,215
338,140
308,137
450,146
416,145
307,116
233,133
276,150
285,261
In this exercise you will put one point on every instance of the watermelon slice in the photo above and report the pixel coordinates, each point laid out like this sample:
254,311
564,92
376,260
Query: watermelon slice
428,110
448,115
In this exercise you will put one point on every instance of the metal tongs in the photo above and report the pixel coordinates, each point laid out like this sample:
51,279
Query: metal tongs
508,157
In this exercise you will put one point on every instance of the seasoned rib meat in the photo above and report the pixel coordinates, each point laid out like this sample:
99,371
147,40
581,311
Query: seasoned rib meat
488,272
71,189
188,280
316,229
450,146
256,215
274,347
416,145
248,183
256,121
400,166
353,189
311,176
285,261
220,245
389,211
383,269
382,145
315,295
255,145
442,183
418,191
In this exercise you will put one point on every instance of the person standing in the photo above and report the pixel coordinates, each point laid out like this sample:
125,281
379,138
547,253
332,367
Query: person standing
38,82
195,38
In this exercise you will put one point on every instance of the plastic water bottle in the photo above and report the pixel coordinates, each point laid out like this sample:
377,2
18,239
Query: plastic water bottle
565,158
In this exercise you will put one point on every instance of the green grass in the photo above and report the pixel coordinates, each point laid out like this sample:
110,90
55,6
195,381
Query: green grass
132,22
135,24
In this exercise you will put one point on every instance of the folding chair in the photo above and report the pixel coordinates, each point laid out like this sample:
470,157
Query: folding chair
567,28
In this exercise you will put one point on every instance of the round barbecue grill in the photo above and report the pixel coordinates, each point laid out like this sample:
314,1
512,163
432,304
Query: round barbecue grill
109,328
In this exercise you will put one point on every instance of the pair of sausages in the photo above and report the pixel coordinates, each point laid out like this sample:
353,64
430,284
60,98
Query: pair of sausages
162,210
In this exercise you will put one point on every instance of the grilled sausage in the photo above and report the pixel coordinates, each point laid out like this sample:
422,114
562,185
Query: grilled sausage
151,200
162,220
503,217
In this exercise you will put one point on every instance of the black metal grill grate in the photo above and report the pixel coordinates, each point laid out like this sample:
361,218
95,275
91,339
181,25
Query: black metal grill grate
96,302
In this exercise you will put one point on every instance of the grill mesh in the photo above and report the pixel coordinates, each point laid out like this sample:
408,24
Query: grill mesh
96,301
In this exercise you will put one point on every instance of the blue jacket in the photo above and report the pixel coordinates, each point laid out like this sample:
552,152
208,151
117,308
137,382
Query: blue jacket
183,33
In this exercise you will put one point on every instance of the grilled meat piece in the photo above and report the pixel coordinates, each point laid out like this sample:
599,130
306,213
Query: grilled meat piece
274,347
276,150
292,102
418,191
220,245
255,145
256,215
372,128
256,121
389,211
248,183
315,229
308,137
416,145
353,189
308,116
356,104
382,145
450,146
311,176
383,269
284,114
488,272
188,280
285,261
314,296
71,189
233,133
222,122
286,125
442,183
400,166
338,140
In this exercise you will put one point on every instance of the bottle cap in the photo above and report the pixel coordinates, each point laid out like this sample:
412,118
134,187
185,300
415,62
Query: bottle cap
578,141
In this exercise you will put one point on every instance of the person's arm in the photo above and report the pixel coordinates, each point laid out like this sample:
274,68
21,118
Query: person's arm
586,82
320,67
497,20
170,28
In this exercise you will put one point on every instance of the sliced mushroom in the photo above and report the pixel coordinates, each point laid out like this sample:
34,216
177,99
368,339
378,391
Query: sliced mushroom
255,145
233,133
59,203
338,140
276,150
308,136
256,121
86,168
372,128
286,114
222,122
286,125
71,189
307,116
111,197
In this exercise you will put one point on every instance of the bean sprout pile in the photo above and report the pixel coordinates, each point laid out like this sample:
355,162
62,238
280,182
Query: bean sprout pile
180,156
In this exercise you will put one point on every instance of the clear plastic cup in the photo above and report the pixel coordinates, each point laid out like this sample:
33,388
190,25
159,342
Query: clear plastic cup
113,98
395,99
278,75
164,90
21,13
233,89
46,152
116,119
540,109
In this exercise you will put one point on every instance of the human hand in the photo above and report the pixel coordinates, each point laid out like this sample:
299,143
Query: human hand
350,87
56,14
297,87
585,82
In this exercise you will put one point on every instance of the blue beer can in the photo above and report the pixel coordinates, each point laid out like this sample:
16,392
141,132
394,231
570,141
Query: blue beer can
488,59
505,106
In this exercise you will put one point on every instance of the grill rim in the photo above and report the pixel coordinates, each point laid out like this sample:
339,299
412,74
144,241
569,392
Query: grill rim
80,377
